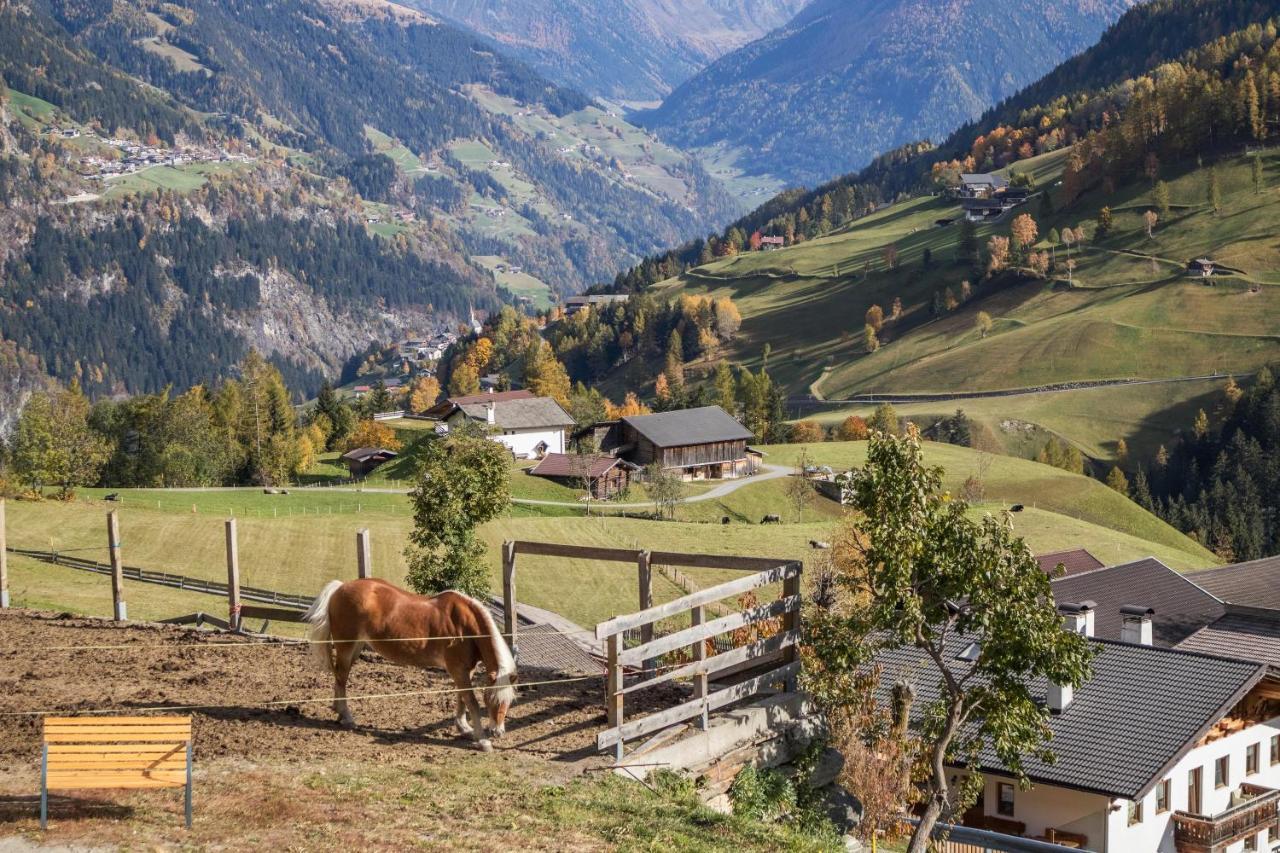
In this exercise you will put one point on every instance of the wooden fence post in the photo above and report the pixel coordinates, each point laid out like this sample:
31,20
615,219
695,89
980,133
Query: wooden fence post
4,561
233,576
613,691
364,554
119,611
699,649
791,620
509,593
645,568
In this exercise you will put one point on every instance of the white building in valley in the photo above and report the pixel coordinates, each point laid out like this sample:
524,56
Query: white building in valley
530,426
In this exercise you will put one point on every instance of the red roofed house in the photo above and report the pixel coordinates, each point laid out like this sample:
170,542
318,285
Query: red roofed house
608,475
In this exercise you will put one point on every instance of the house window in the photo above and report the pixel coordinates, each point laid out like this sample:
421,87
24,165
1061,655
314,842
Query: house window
1135,812
1273,833
1162,797
1004,801
1275,750
1251,755
1251,843
1222,772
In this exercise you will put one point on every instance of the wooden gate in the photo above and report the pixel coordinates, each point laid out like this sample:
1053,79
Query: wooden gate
639,661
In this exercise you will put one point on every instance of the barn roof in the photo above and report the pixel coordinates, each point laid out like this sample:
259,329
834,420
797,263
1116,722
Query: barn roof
1074,561
518,413
364,454
575,465
1253,584
689,426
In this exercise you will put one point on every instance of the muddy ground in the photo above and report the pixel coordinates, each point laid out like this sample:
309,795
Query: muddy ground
48,665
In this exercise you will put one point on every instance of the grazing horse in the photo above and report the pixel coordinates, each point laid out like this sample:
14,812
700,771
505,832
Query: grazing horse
449,631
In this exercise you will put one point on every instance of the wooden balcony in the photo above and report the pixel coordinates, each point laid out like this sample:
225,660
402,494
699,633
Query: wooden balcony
1194,833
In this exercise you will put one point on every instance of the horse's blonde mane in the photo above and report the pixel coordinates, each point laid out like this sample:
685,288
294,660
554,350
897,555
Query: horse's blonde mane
505,692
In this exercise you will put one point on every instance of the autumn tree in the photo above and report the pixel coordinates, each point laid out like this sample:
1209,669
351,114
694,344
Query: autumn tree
852,428
895,312
728,318
875,317
983,324
884,419
1118,481
1104,225
371,433
914,572
726,388
545,375
890,255
630,407
1023,232
998,254
423,393
53,444
869,339
1160,195
807,432
1149,220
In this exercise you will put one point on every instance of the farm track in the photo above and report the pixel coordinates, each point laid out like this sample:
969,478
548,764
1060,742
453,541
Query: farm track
178,667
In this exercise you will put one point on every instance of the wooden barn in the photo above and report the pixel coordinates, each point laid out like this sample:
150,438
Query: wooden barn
609,475
363,460
701,444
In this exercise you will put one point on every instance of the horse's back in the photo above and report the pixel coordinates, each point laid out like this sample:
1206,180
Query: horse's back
372,608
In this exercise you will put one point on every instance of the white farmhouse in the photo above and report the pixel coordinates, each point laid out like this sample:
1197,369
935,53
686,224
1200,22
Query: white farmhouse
530,426
1162,750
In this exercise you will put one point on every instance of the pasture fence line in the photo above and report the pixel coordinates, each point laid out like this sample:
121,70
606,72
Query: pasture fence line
749,658
4,562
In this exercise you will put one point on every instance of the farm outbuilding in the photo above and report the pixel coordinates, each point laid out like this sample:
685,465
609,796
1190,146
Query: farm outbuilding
363,460
701,444
608,475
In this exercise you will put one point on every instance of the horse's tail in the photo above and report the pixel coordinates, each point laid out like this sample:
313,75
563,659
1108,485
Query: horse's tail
317,617
503,689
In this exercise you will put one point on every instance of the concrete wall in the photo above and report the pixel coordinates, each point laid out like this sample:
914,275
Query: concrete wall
522,443
1042,807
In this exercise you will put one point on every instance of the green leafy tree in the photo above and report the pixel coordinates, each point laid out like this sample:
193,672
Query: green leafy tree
1160,195
463,482
53,444
913,569
884,419
665,489
341,418
726,388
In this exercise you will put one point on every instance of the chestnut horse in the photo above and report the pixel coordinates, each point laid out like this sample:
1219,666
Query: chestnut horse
449,631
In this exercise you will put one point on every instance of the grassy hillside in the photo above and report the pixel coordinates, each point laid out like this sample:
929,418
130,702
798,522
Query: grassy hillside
296,542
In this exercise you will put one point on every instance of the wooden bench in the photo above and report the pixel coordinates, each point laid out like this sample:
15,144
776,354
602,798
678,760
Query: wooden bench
115,752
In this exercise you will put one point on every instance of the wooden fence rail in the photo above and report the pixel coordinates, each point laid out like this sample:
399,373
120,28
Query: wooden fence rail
782,647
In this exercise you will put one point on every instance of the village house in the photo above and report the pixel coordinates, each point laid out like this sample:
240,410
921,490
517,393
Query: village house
607,475
699,444
1160,750
985,197
574,304
768,243
362,461
530,426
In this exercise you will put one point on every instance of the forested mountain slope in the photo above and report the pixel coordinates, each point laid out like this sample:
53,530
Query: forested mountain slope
844,81
303,178
631,50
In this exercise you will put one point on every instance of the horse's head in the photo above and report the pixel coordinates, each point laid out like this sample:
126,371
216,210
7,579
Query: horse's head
498,697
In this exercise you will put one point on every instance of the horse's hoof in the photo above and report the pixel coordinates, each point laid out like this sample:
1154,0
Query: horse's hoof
485,745
347,723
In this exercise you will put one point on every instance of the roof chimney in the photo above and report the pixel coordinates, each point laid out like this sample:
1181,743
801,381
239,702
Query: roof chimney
489,413
1135,624
1077,618
1060,696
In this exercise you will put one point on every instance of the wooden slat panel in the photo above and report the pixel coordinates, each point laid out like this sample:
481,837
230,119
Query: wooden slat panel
179,732
721,662
733,621
157,737
66,764
715,561
113,748
576,552
275,614
688,710
84,781
169,720
706,596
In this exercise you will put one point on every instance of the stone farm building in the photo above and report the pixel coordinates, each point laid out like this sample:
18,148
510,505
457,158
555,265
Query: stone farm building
700,444
530,426
608,475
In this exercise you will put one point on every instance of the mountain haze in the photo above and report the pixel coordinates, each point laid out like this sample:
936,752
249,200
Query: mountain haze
631,50
844,81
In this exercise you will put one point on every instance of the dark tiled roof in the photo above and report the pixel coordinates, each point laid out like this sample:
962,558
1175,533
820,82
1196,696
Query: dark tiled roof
689,426
363,454
1074,561
1251,636
1252,584
520,413
984,179
1142,710
446,407
1181,608
573,465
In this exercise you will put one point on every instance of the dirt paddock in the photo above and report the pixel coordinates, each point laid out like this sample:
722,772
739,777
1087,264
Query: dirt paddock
161,665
